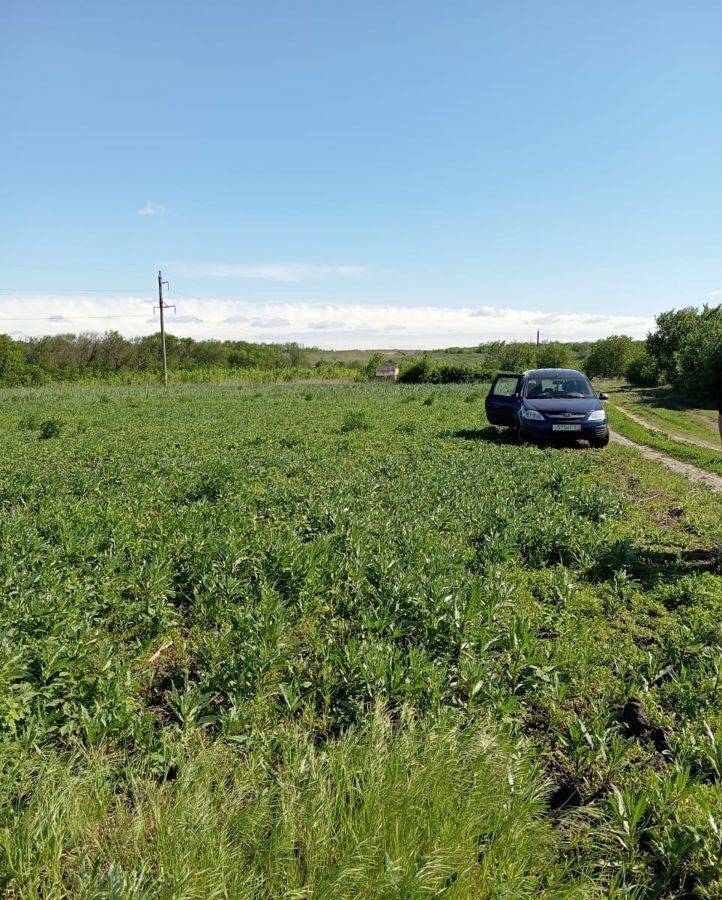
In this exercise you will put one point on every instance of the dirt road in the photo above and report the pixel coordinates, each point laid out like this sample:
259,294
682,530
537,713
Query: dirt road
680,468
674,435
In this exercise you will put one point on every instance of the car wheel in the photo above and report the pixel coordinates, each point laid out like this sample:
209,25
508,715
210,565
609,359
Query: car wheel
599,443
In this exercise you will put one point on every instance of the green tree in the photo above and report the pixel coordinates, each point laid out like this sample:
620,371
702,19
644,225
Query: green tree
11,360
369,369
518,357
492,352
555,355
611,356
699,358
417,370
643,371
673,329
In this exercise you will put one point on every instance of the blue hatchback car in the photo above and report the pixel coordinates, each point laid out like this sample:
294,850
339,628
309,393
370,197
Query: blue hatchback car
549,404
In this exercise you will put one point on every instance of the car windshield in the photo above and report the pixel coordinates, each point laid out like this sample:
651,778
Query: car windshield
559,388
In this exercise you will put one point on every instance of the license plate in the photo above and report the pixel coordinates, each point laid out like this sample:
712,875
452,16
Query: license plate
566,427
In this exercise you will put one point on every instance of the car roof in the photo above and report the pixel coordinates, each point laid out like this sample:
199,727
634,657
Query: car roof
553,373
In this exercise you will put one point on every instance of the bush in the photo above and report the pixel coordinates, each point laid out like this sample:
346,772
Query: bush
699,362
611,356
416,371
11,361
369,370
642,371
664,344
454,374
518,358
354,421
423,371
50,428
687,350
556,355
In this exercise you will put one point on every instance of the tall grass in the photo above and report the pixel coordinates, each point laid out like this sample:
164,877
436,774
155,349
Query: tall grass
410,809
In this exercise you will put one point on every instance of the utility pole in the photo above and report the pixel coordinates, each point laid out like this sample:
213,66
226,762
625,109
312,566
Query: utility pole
537,338
161,306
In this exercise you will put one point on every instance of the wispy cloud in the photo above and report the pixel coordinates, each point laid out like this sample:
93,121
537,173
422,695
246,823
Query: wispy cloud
488,312
234,320
152,209
270,322
287,272
327,325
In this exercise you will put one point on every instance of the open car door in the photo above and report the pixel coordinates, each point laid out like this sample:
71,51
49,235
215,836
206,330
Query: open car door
502,401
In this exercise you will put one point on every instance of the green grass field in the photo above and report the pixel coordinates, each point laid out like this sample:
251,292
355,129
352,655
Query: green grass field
322,641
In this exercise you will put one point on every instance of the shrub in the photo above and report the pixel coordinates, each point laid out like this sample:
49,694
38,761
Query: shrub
454,374
699,362
518,357
369,370
555,355
673,328
611,356
50,428
642,371
354,421
417,370
687,350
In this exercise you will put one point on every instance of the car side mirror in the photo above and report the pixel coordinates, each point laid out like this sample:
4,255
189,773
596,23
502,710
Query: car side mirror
516,396
604,396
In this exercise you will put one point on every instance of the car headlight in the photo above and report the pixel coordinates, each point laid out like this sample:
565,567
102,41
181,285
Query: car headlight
532,414
597,415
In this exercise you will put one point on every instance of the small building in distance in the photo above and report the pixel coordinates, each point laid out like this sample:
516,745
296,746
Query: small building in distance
387,371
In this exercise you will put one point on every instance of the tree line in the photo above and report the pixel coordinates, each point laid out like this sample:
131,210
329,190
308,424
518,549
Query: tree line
71,357
684,351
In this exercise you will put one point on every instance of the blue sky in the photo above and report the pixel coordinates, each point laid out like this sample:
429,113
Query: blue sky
378,173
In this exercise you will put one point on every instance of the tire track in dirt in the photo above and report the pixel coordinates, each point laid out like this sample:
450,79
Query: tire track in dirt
714,482
674,435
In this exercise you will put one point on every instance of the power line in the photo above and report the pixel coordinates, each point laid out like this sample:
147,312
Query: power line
70,318
182,293
73,290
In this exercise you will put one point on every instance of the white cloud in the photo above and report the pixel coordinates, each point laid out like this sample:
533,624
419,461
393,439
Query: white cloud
270,322
338,326
594,320
289,272
488,312
327,325
152,209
